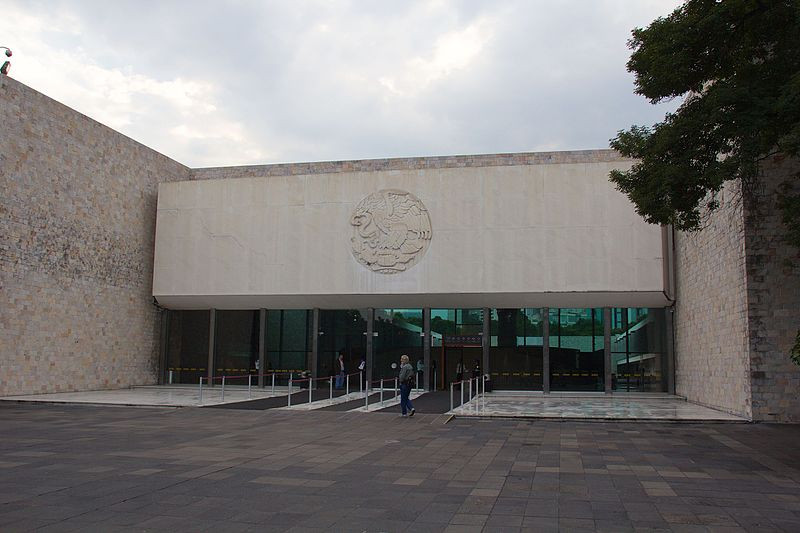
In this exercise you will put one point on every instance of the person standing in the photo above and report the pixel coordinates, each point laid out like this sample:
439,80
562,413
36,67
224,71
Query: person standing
341,374
406,379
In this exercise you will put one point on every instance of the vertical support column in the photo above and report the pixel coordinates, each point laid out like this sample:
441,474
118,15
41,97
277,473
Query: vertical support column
314,363
262,345
212,330
607,348
669,318
426,348
546,350
370,331
485,341
162,348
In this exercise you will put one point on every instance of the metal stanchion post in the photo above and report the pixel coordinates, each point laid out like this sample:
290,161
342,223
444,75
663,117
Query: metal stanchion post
416,380
347,385
461,386
273,383
396,387
249,382
470,389
451,396
290,390
381,392
366,399
223,388
310,382
330,387
201,390
360,381
170,377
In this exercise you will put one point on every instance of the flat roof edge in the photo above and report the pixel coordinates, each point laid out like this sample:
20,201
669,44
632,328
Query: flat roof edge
411,163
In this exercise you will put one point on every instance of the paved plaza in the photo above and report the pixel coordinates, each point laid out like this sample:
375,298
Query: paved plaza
591,406
94,468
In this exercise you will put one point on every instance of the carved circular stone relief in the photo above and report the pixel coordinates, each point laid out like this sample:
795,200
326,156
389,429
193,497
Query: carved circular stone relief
391,231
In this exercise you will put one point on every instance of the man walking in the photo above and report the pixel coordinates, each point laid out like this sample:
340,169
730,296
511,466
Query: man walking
406,379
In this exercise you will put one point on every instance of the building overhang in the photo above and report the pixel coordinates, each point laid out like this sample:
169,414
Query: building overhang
437,301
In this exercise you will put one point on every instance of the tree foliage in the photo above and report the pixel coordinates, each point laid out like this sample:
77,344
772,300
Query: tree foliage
737,63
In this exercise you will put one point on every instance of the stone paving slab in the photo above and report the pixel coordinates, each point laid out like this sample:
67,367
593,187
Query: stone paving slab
90,468
162,396
665,408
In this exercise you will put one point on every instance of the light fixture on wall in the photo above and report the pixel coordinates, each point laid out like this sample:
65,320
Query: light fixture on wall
7,64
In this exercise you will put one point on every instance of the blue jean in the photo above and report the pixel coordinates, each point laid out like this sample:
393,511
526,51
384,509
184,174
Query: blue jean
405,401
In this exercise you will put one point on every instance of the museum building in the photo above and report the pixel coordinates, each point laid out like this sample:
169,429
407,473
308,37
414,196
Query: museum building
535,271
121,267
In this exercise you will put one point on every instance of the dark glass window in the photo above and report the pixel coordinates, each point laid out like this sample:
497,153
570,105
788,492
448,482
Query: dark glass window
187,345
638,349
236,339
341,332
456,340
577,350
288,340
399,332
515,352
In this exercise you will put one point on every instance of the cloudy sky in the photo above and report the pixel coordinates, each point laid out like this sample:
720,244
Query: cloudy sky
238,82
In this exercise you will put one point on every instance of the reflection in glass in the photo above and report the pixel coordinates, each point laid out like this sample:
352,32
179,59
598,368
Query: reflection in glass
576,350
456,351
637,349
187,345
288,340
236,339
516,353
399,332
341,332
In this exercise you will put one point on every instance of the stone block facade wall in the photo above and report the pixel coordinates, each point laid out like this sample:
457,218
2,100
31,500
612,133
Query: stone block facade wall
773,296
712,365
77,223
737,308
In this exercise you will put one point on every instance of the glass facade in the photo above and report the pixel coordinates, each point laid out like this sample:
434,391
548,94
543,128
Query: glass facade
288,340
638,362
577,350
187,345
341,332
516,349
236,338
456,344
399,332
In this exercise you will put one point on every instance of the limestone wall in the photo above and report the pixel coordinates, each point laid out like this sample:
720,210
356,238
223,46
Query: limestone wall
527,231
77,223
712,364
773,289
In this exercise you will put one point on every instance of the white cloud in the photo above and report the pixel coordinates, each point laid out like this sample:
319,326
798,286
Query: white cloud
257,82
455,50
122,98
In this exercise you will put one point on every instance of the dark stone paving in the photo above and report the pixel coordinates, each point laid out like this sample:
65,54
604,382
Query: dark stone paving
88,468
434,402
298,398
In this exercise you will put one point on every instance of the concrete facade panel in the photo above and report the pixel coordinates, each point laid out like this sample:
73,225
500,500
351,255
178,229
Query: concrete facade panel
484,237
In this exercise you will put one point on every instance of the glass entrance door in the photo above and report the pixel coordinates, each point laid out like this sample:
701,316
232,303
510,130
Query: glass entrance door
456,338
399,332
341,332
516,355
577,350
